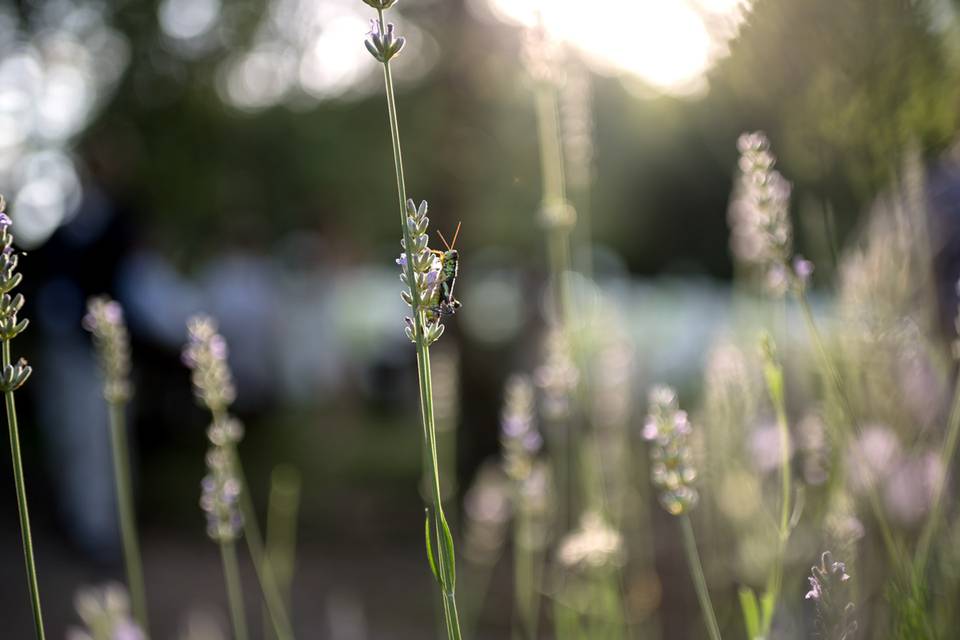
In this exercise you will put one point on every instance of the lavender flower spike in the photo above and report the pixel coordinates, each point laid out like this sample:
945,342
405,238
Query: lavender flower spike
381,5
668,429
104,320
835,620
105,613
759,216
383,45
220,497
421,295
206,356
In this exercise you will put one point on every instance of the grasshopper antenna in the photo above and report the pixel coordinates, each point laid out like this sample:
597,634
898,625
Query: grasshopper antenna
450,245
455,234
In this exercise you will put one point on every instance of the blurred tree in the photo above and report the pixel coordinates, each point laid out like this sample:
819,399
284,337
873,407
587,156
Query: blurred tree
843,88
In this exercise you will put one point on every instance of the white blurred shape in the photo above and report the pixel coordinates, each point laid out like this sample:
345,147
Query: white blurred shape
65,104
188,19
765,448
500,315
872,456
260,78
721,6
49,192
332,63
322,55
20,80
910,488
666,44
56,69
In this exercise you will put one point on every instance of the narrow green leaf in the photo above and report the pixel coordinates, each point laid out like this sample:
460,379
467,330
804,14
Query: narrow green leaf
751,612
767,601
433,565
772,371
798,504
450,565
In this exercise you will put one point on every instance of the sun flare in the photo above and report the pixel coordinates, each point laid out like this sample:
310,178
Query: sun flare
667,44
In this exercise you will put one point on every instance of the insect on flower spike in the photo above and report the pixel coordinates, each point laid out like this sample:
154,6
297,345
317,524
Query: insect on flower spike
449,269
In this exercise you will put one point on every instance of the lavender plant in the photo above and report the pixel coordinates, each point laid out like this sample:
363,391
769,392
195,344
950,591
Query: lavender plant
557,215
220,494
668,430
105,321
105,612
758,612
522,443
761,233
762,236
206,355
836,618
424,275
589,600
12,378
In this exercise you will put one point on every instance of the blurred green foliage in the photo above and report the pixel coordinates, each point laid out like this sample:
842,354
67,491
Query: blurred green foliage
841,87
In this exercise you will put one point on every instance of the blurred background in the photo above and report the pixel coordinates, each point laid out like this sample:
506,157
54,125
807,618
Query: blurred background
233,157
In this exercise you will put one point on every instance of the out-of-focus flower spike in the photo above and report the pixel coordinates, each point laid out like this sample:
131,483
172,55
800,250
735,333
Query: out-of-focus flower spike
383,45
206,356
380,5
668,430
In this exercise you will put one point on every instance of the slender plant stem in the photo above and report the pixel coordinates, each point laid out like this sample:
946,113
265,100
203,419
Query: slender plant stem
785,474
699,581
231,575
266,577
26,536
128,528
775,389
554,195
445,555
946,455
261,563
281,533
451,617
527,571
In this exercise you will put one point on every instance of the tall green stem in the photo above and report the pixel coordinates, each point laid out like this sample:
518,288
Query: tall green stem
231,576
128,528
699,581
445,555
266,577
261,563
554,195
281,538
527,572
25,533
773,373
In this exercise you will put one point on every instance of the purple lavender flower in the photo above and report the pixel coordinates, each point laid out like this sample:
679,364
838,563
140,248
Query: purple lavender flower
104,319
835,620
422,295
206,355
105,612
220,497
519,435
759,216
668,429
383,45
